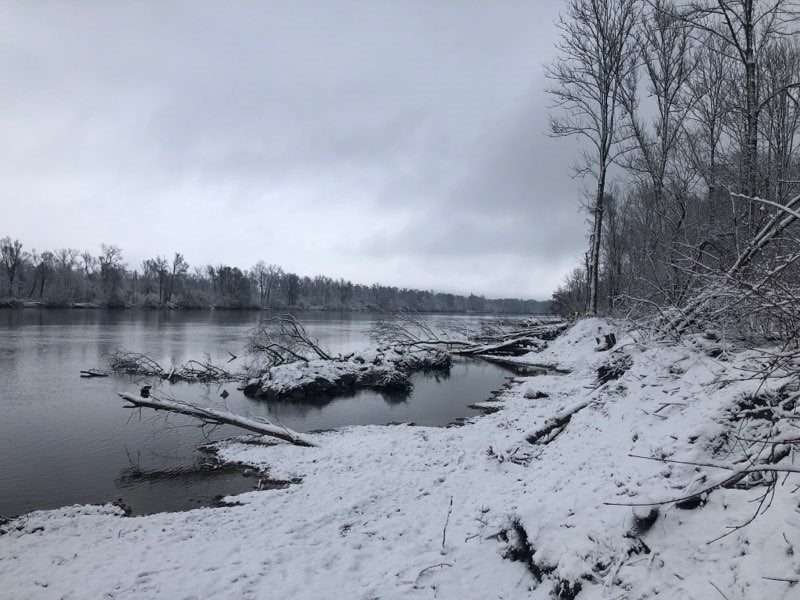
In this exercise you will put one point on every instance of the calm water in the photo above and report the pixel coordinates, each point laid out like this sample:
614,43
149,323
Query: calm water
67,440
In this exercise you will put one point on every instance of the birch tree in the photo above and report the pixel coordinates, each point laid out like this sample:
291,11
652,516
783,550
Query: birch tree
596,54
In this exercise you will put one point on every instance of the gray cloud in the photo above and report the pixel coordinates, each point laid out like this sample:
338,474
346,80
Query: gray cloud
401,142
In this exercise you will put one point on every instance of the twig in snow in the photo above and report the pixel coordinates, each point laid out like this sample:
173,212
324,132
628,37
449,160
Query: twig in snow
789,580
447,522
426,569
719,590
653,414
737,475
788,543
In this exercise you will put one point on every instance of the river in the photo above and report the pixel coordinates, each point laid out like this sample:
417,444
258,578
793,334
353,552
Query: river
68,440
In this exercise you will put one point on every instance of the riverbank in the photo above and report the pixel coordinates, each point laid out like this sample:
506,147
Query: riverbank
18,303
530,501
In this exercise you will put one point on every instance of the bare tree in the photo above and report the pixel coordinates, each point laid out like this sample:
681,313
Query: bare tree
746,29
664,46
179,269
781,118
267,278
111,267
11,255
597,53
65,260
157,268
42,266
292,284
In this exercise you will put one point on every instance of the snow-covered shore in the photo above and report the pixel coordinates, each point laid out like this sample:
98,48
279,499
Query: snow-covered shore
413,512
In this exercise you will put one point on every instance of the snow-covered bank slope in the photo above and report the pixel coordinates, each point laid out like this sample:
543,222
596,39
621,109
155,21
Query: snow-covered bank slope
410,512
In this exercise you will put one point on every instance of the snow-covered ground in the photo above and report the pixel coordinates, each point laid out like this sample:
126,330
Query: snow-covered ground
412,512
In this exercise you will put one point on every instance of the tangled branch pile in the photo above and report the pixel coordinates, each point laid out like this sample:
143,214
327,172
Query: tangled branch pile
485,339
125,362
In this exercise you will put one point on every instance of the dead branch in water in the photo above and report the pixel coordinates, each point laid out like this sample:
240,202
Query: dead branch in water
195,370
89,373
514,346
134,363
212,416
410,329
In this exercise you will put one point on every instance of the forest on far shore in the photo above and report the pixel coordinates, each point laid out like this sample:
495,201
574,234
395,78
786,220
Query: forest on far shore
69,277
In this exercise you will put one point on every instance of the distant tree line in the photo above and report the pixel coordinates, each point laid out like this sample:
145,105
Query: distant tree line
694,108
69,277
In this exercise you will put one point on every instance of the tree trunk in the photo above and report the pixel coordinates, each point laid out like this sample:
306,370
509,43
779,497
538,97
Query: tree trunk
218,417
594,253
752,103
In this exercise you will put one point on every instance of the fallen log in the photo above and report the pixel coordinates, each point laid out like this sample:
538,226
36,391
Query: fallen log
516,346
212,416
553,426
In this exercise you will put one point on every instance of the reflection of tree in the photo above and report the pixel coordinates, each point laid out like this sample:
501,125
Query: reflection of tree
437,376
395,397
201,469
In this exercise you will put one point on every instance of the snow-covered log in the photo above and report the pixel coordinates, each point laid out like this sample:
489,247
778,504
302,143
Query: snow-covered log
213,416
554,425
411,330
517,346
388,369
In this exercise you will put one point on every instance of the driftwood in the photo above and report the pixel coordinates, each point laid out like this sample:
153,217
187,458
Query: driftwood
211,416
93,373
515,346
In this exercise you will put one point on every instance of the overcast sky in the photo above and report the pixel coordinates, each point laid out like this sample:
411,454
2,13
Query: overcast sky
397,142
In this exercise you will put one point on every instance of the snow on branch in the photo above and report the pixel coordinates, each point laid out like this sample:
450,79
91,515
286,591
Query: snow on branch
212,416
283,340
411,330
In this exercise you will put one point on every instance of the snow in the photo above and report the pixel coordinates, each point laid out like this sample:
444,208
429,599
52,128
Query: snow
414,512
388,368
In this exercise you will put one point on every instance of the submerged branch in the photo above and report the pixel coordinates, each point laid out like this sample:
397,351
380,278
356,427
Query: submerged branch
134,363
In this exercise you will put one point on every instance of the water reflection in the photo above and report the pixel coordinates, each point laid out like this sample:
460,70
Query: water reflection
67,440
